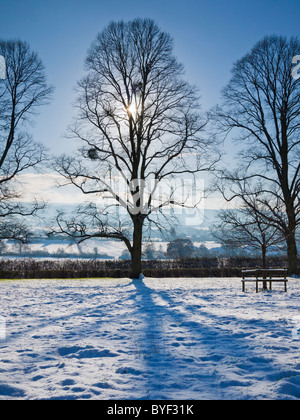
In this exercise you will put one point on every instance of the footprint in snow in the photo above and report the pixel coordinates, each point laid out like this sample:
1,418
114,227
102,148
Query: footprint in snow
87,352
11,391
128,370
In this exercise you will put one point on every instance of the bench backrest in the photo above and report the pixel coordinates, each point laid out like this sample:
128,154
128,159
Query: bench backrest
261,272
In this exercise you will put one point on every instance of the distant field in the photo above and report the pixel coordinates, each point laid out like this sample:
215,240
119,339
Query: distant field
107,248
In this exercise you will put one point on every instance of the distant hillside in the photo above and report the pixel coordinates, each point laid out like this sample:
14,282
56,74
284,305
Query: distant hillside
183,225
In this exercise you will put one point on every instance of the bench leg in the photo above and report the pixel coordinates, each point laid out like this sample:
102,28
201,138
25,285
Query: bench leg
270,283
285,287
243,286
257,287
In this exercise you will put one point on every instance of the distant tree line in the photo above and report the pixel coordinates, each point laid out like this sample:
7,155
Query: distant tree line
177,249
22,250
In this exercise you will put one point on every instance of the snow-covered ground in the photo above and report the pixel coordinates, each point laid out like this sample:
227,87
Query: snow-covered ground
151,339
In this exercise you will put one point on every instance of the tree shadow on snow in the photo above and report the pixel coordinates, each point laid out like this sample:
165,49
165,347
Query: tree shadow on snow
191,353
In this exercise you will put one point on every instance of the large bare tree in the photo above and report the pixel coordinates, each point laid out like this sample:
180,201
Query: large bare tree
22,91
138,125
262,101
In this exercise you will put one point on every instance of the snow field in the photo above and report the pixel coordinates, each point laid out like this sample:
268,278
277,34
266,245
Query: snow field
151,339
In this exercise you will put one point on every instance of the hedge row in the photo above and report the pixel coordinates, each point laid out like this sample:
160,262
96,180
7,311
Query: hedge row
72,268
116,273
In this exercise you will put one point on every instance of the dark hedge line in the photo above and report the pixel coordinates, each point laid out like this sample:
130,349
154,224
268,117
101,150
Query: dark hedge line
73,268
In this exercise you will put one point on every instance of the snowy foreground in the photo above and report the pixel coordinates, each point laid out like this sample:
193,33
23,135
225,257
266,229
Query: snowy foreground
151,339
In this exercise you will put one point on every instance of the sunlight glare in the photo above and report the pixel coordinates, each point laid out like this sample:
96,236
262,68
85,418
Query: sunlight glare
132,109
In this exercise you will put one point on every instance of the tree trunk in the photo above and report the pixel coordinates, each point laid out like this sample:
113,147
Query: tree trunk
291,240
136,250
292,254
264,265
264,256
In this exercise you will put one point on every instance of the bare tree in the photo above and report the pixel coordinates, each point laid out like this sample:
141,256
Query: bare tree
248,226
262,100
22,91
139,125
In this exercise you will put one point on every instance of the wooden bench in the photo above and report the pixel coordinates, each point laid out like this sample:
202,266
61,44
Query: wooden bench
265,276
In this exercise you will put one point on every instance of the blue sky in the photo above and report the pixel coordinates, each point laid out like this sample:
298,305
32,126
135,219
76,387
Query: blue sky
209,36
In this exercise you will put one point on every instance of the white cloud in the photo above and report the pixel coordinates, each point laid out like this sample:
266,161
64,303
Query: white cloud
46,187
